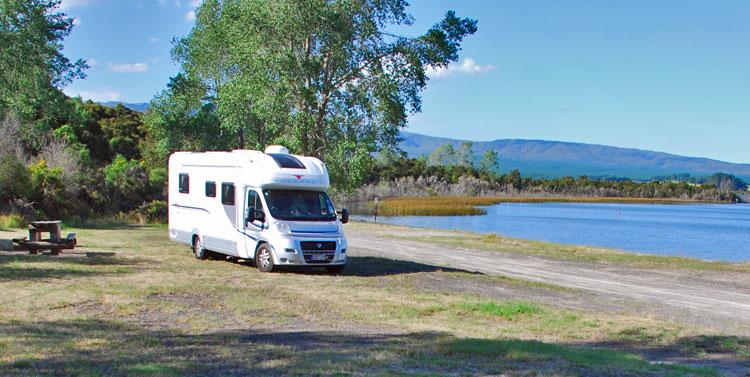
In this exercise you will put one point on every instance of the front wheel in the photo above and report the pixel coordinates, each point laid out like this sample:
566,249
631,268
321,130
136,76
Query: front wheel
264,259
198,249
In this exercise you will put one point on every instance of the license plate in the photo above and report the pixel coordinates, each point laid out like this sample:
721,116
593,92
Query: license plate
319,257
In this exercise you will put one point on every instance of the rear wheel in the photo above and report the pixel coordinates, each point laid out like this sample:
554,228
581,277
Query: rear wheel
198,249
264,259
335,269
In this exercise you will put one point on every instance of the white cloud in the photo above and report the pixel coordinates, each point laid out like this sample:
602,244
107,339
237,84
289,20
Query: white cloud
102,95
92,62
128,67
468,66
76,21
169,3
66,5
193,5
153,40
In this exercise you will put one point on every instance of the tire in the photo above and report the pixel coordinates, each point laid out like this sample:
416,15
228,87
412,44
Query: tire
335,270
264,258
198,250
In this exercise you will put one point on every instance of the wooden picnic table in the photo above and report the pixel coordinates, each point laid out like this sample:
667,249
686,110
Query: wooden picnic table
54,243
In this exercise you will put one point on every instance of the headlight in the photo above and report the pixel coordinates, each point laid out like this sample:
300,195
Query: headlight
282,227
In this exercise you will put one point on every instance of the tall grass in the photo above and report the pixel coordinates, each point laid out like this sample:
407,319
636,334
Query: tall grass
469,205
11,221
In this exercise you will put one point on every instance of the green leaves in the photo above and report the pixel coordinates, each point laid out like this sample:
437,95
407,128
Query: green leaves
33,65
322,77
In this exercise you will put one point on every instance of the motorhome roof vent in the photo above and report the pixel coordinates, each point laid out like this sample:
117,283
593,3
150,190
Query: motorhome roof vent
276,149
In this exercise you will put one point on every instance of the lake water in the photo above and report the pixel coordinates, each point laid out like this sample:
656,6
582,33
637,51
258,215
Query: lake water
705,231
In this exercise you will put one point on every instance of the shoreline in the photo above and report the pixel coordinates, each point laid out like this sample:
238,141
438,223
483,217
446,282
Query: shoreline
560,251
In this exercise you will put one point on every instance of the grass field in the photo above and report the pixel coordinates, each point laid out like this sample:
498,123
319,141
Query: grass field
469,205
128,302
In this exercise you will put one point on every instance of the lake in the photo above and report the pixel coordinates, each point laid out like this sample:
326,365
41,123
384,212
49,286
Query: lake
705,231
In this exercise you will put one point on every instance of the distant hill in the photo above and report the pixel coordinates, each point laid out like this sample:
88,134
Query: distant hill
541,158
140,107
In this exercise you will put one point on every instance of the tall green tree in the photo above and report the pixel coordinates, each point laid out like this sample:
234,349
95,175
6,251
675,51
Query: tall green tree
489,163
33,65
444,155
465,154
323,77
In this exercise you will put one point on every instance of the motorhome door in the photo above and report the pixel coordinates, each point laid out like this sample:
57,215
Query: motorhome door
253,224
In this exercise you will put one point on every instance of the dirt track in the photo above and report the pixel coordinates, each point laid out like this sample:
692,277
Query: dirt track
715,300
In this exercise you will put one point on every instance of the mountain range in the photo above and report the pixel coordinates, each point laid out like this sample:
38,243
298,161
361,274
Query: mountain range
140,106
550,159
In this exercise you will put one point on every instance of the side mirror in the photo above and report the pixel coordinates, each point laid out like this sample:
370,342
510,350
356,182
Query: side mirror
260,215
249,216
344,215
255,214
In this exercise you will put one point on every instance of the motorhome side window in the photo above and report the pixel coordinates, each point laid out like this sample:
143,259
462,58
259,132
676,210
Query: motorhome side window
184,183
227,194
211,189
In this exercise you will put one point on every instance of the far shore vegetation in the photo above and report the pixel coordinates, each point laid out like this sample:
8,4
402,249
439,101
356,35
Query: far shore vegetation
458,181
472,205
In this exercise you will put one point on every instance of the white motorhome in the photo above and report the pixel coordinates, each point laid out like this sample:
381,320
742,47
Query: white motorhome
268,207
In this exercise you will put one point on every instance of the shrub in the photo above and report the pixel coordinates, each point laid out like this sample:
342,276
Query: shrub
154,211
128,182
15,179
49,189
157,178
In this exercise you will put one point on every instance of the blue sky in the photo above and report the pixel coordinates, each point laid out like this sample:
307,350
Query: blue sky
669,76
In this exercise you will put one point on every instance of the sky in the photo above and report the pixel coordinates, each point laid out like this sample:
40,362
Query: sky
670,76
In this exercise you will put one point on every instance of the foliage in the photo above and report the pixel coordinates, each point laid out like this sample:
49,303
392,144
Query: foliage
489,164
726,182
179,119
12,221
154,211
323,78
33,65
128,182
15,179
48,189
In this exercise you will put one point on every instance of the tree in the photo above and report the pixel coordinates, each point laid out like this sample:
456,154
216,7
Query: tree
465,154
444,155
515,180
33,65
725,181
322,77
489,163
180,119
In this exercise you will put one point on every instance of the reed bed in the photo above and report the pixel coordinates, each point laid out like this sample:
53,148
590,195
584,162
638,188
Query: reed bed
471,205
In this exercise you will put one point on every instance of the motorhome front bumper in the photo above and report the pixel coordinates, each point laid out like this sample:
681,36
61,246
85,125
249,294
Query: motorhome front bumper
313,252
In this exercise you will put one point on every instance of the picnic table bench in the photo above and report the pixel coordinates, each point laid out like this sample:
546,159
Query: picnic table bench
34,243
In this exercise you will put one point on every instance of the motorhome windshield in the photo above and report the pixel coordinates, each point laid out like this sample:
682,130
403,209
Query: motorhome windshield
299,205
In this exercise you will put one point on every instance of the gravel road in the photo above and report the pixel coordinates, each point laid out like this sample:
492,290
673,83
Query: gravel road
711,299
